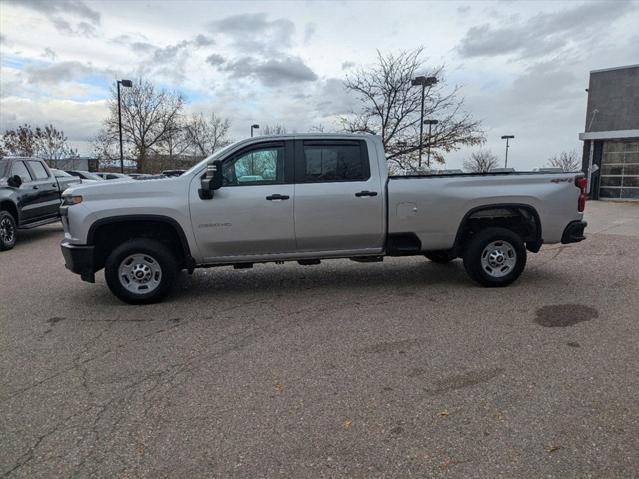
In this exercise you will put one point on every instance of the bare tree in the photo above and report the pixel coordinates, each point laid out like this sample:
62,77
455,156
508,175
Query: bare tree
206,134
481,161
277,129
176,141
319,128
48,143
568,161
20,142
52,144
148,117
390,107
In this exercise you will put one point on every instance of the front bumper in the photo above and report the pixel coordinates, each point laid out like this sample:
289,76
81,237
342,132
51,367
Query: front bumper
79,259
574,232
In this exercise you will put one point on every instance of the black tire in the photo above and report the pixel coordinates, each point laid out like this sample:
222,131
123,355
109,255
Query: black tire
8,231
151,255
487,242
441,257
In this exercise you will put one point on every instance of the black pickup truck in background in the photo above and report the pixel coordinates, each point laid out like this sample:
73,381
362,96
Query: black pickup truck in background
29,196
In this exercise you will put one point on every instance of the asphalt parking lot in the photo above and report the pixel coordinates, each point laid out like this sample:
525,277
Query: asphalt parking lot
398,369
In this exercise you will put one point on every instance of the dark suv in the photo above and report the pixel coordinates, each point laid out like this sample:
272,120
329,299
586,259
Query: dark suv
29,197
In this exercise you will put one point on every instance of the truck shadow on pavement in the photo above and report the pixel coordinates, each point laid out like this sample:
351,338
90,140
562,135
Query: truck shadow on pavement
38,234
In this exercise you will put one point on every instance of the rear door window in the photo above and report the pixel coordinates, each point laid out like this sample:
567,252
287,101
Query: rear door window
20,169
38,170
328,161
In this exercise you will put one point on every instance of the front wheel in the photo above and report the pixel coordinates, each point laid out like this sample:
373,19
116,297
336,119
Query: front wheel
7,231
495,257
140,271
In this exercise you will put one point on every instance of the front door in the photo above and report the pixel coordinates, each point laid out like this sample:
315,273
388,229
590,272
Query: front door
26,194
339,204
252,213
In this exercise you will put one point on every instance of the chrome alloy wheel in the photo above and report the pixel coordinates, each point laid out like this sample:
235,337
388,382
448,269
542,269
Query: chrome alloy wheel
7,231
498,258
140,273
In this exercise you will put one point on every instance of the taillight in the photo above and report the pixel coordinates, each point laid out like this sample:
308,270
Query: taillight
581,183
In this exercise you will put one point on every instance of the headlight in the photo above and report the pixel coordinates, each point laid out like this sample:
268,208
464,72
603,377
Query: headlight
71,200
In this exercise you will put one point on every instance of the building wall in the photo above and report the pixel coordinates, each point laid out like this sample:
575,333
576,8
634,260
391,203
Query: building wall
615,96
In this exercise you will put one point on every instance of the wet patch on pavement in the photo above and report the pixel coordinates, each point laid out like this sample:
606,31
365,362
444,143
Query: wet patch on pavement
564,315
461,381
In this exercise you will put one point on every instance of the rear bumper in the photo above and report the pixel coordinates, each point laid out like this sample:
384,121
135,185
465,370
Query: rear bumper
574,232
79,259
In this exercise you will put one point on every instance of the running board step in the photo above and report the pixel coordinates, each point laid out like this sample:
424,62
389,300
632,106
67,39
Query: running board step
308,262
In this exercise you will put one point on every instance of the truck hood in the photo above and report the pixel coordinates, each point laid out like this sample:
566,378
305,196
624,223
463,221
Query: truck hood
114,189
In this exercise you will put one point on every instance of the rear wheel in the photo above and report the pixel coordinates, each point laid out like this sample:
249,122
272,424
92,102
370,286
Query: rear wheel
8,231
441,257
495,257
140,271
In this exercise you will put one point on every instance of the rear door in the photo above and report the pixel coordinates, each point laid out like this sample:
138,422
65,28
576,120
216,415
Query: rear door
338,202
47,198
252,213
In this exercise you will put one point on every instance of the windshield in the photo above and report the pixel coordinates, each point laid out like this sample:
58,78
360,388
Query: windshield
206,160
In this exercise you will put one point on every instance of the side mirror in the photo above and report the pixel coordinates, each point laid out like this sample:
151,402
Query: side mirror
217,176
15,181
212,180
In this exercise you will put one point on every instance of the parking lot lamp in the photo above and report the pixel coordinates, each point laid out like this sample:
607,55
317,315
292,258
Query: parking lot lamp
126,84
507,137
430,124
424,82
254,127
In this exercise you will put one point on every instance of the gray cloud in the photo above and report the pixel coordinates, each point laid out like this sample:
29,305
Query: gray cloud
309,31
57,10
271,72
543,33
49,53
255,32
142,47
347,65
49,7
55,73
215,59
203,41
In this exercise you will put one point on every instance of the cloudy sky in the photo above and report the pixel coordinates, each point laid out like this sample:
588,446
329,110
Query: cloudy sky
523,66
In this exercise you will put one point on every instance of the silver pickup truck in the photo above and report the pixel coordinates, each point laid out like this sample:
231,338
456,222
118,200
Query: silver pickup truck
306,198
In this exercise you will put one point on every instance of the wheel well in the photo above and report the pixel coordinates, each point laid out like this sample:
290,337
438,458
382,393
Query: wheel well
10,208
108,236
521,219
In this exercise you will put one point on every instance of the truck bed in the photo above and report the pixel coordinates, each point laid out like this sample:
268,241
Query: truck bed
432,206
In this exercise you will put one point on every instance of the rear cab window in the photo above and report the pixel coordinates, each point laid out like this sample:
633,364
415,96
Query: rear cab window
321,161
38,170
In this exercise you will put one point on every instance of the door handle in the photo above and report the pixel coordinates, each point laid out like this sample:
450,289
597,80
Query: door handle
35,187
54,185
366,193
277,197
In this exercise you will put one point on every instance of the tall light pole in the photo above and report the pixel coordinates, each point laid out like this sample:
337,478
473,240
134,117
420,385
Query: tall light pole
126,84
424,82
254,127
430,124
507,137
